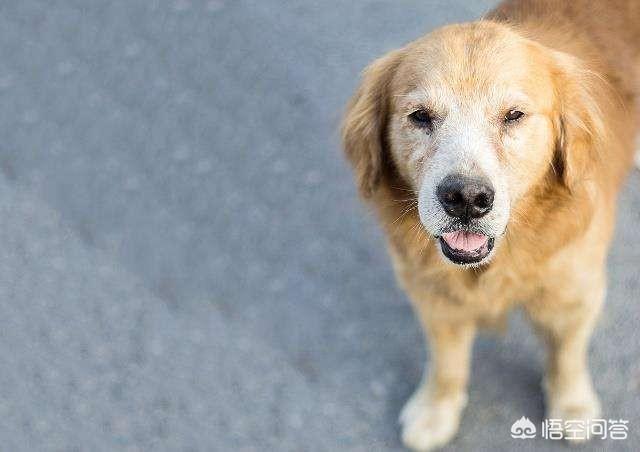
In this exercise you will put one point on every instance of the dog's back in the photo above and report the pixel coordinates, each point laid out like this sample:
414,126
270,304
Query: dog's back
608,32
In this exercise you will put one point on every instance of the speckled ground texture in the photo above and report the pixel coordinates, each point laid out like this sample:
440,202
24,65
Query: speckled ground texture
185,265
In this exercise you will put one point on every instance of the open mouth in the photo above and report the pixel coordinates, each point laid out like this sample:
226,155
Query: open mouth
464,247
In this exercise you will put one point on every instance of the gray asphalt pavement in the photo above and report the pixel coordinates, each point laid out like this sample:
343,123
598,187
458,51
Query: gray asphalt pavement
185,265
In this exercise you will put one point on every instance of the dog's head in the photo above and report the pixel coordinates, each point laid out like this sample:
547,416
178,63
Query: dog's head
471,118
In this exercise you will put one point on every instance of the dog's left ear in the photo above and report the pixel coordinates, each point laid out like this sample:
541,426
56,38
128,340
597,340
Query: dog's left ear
581,94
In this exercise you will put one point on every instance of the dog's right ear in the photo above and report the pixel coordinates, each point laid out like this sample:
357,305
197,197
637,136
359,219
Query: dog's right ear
364,124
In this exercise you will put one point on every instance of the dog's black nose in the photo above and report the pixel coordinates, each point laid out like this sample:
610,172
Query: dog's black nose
465,197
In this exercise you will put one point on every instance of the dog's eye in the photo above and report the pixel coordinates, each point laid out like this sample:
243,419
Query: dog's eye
513,116
421,118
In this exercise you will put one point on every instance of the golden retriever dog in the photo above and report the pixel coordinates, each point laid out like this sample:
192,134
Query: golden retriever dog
492,153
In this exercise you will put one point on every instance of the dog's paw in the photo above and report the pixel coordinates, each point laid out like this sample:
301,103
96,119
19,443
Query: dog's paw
577,406
428,425
414,405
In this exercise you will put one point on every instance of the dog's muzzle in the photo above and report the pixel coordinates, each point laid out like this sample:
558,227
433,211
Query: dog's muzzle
465,199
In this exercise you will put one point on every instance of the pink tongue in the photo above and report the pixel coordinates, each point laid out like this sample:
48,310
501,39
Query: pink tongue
464,241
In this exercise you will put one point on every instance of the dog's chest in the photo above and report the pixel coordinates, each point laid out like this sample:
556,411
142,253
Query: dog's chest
488,294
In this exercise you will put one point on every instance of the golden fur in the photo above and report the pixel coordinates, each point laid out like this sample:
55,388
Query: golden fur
580,60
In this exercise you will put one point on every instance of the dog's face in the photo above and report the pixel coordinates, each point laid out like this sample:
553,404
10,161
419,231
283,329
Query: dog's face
470,128
470,117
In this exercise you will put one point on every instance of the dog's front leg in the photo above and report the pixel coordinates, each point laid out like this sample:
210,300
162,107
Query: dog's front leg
566,327
432,416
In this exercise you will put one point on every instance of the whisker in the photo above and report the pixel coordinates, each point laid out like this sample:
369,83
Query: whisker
405,200
405,212
405,189
427,240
